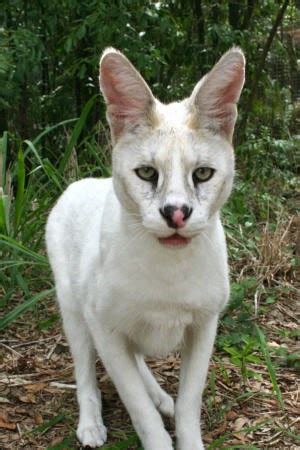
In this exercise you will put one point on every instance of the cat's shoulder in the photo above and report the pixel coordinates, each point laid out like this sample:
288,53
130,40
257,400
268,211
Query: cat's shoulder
85,191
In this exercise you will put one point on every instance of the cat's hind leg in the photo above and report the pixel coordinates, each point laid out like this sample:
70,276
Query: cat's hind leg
163,401
91,430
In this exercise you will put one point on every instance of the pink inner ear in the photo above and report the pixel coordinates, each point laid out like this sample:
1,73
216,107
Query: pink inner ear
226,95
126,94
231,92
125,98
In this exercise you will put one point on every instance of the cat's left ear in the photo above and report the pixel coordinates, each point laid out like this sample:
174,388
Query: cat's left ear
128,98
214,98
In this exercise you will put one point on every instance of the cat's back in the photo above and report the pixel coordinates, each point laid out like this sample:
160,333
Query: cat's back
76,217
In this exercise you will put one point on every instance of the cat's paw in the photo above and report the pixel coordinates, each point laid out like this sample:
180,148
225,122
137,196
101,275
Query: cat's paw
195,444
166,405
92,435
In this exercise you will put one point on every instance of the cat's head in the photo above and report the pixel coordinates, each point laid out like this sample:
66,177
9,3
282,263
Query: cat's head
173,165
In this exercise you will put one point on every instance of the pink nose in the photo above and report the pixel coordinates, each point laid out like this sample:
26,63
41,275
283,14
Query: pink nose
178,218
174,216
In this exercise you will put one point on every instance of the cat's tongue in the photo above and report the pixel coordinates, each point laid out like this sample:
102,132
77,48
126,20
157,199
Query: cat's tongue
174,241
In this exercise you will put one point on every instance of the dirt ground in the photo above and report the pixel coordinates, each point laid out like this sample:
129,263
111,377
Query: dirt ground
37,394
241,410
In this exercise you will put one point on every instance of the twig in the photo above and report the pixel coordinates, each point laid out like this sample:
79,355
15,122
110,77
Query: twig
11,350
19,430
62,385
23,344
256,301
54,347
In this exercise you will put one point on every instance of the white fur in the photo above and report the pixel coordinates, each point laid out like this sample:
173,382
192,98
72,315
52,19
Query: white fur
124,293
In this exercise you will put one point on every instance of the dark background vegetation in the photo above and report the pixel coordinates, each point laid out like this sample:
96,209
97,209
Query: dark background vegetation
53,131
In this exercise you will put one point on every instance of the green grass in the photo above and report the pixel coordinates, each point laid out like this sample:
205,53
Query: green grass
270,366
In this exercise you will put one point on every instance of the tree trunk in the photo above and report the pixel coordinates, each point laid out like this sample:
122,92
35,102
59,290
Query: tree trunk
259,70
234,14
199,18
248,14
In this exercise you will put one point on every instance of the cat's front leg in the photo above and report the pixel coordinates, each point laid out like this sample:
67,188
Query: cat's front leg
196,353
163,402
120,362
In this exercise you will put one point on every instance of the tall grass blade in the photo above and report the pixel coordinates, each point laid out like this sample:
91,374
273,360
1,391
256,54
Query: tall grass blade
48,168
13,244
67,444
25,306
32,147
6,297
19,203
52,128
3,157
271,370
53,174
105,170
76,132
22,283
4,200
4,213
44,427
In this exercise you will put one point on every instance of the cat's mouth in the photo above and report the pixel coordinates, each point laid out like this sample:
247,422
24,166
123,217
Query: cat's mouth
175,240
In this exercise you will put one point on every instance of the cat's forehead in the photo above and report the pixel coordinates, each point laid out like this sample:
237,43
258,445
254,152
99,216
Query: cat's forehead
173,115
172,138
169,142
174,135
173,143
171,135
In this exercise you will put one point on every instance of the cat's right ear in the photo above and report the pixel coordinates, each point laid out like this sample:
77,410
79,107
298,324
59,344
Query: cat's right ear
214,98
128,98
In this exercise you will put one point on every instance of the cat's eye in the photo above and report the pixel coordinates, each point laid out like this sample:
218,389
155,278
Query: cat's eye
202,174
147,173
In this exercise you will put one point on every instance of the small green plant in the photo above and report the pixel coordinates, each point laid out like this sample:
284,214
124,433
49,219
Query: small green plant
243,354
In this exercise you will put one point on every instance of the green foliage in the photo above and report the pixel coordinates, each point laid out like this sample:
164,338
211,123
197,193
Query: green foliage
271,370
49,55
29,186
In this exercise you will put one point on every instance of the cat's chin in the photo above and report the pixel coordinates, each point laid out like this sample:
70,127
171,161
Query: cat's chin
174,241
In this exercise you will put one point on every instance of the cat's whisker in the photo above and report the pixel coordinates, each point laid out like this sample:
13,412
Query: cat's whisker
135,237
135,224
131,214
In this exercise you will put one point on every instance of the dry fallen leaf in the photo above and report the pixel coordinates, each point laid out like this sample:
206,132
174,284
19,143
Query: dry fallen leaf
7,425
28,398
35,387
216,432
240,436
4,421
38,418
239,423
231,415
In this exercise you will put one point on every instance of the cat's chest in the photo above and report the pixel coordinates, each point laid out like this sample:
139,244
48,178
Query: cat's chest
156,330
157,341
166,294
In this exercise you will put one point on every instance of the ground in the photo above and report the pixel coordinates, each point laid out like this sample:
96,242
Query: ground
252,395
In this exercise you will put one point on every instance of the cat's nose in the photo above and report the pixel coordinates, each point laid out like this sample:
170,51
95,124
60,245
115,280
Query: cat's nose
174,216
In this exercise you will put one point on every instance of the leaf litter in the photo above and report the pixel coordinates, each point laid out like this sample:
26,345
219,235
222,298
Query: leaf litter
38,407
